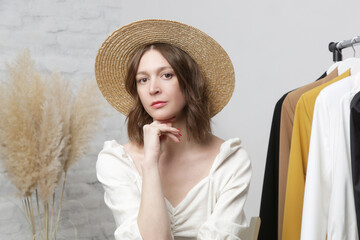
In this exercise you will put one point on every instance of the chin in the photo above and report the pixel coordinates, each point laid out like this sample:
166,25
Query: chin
165,119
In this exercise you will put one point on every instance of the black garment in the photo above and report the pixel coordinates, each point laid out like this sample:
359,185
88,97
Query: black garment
355,152
322,76
270,192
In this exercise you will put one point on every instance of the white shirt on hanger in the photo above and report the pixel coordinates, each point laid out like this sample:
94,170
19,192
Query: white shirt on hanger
350,63
342,177
329,208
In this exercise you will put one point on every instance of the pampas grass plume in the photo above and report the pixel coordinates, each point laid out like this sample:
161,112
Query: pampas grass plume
44,129
86,111
53,134
20,115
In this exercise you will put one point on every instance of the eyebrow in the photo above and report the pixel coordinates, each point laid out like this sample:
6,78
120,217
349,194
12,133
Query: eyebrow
158,70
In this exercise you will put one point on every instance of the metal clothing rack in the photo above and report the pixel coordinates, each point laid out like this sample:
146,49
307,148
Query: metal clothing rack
337,47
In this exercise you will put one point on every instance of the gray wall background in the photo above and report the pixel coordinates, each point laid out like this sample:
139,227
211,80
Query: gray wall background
275,46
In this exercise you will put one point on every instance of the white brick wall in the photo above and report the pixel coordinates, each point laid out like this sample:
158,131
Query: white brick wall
62,35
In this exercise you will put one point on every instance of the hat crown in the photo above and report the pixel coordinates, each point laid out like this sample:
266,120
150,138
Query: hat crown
114,55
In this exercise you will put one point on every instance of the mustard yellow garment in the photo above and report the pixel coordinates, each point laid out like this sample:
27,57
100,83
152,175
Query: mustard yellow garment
299,150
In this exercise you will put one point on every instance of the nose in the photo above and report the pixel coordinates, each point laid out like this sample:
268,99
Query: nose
154,87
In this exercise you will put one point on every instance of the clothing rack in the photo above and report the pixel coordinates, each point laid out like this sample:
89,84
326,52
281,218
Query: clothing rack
336,47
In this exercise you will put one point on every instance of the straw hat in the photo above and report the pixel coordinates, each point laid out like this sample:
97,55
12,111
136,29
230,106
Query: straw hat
117,50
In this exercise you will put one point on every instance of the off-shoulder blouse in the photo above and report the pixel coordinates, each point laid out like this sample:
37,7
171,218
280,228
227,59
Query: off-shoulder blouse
212,209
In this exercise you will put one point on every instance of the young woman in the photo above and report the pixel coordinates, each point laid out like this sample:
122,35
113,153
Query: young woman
174,179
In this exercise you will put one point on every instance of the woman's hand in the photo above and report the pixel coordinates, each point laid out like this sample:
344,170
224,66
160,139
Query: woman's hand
153,207
154,136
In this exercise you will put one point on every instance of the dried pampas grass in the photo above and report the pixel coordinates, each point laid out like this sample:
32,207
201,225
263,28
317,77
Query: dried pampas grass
44,129
20,115
52,139
86,103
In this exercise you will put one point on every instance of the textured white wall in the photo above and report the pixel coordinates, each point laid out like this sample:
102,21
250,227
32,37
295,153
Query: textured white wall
64,36
275,45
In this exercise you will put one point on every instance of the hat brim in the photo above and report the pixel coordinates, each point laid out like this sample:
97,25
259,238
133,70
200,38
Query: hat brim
112,60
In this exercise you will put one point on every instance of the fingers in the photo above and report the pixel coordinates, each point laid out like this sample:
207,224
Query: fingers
162,129
154,136
174,137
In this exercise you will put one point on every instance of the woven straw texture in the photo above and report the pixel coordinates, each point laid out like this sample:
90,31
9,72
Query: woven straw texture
117,50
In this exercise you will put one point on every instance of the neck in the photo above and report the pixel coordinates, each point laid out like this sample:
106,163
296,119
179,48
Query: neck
172,147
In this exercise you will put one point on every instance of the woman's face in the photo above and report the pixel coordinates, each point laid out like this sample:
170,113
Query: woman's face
158,87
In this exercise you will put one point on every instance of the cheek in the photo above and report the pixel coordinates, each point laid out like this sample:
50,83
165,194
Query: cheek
179,94
140,92
180,97
141,96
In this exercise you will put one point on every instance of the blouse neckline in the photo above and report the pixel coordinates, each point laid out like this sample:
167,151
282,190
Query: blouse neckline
226,148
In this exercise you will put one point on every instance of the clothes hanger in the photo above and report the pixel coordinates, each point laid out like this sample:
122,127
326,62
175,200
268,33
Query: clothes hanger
351,63
355,68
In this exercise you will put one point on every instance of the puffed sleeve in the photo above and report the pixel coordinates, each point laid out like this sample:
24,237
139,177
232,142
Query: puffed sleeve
117,174
227,220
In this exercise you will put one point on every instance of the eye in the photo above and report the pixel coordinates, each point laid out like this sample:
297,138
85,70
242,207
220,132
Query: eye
142,80
168,75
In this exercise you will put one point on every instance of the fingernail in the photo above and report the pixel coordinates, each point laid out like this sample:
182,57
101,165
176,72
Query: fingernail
180,135
178,129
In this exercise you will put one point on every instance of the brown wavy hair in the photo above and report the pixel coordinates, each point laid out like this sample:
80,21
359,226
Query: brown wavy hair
192,84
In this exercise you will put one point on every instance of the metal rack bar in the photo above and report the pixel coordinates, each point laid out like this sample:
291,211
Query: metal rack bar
336,47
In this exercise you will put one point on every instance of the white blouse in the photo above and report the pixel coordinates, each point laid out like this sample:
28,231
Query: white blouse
329,207
212,209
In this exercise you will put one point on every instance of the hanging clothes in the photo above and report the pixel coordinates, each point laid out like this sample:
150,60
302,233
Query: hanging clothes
355,152
269,197
329,209
286,126
298,161
269,200
318,158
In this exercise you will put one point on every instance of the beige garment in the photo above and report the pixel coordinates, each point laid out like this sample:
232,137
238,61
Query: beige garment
286,125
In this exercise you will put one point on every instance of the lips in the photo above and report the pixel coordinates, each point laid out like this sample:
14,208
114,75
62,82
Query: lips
158,104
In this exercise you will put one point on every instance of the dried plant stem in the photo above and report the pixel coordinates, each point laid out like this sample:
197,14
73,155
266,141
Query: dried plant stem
24,206
52,214
33,224
30,215
47,220
60,206
26,210
38,208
